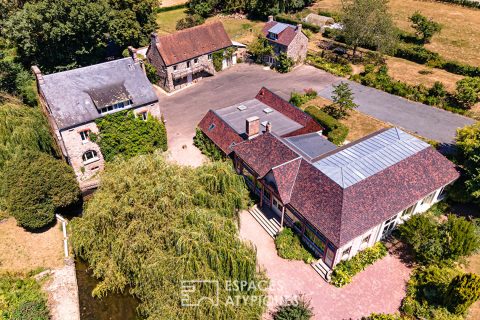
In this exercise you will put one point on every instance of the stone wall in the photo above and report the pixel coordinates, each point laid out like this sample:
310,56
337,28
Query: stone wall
297,50
182,66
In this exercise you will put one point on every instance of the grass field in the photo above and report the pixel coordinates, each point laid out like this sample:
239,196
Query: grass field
474,266
22,251
460,37
167,21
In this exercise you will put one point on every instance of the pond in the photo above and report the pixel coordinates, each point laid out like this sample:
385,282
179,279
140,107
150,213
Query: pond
115,306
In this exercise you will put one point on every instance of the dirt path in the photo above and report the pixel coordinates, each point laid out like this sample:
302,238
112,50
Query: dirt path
62,293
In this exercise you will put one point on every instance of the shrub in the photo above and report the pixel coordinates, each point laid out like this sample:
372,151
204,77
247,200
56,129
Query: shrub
206,146
35,186
284,63
344,271
152,73
22,299
189,22
260,48
299,99
124,134
289,246
217,58
309,26
462,292
341,68
336,132
382,316
468,91
295,309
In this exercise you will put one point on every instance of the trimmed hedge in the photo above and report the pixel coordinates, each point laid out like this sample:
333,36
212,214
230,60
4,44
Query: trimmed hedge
344,271
289,246
306,25
464,3
336,131
171,8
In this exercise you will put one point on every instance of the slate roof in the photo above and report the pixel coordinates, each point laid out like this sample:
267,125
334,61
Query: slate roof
277,103
342,212
286,34
220,132
73,95
192,42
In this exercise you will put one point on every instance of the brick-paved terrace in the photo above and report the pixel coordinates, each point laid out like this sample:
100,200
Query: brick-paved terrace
379,288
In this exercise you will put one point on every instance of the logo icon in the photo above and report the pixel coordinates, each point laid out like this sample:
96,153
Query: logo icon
190,289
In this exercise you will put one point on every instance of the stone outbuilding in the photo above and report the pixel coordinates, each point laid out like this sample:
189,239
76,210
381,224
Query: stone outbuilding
285,38
186,56
318,20
74,99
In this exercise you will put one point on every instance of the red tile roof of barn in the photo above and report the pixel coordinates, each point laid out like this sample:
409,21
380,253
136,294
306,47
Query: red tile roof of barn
343,214
221,133
193,42
264,152
285,37
275,102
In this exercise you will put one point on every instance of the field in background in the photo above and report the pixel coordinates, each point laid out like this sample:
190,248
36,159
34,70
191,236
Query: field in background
169,3
460,36
22,251
167,21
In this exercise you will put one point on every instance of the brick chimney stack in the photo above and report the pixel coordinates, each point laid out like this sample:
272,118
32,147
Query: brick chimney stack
153,38
270,18
38,75
299,27
268,127
253,126
133,53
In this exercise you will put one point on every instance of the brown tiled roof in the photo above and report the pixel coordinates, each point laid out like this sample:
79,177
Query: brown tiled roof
343,214
264,152
193,42
275,102
285,37
285,176
219,131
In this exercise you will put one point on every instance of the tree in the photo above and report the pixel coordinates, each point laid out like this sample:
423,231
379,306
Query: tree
260,48
35,186
189,21
63,34
152,73
294,309
462,292
342,101
124,134
284,63
461,237
368,23
468,145
425,28
467,92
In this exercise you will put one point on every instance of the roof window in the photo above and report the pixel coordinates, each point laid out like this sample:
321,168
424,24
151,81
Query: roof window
242,107
268,110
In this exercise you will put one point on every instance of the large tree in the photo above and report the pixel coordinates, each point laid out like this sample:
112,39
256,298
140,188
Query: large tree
468,143
425,28
368,23
61,34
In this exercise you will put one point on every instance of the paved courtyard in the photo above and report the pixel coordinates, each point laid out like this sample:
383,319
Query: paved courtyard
379,288
184,109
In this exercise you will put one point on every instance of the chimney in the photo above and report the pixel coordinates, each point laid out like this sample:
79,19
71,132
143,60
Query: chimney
253,126
270,18
38,75
268,127
153,38
133,53
299,27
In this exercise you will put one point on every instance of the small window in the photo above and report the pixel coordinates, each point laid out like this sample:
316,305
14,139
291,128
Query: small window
143,115
211,127
408,211
174,68
195,60
346,252
188,64
428,199
89,155
84,135
366,239
209,56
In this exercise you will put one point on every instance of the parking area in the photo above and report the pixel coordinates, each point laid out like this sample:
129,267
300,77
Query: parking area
380,288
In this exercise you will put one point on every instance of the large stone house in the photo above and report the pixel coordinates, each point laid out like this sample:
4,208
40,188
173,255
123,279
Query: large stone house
285,38
186,56
74,99
339,199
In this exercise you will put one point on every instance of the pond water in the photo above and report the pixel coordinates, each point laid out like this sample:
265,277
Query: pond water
112,307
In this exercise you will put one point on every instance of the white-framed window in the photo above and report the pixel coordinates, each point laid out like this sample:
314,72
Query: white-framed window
90,156
118,105
428,199
346,253
143,115
408,211
84,135
188,64
210,57
366,239
195,61
388,226
174,68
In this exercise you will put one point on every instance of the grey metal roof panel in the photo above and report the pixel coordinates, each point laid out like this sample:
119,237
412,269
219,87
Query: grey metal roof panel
311,145
278,28
70,94
366,158
281,124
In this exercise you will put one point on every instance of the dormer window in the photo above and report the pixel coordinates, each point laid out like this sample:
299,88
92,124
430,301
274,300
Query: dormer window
118,105
272,36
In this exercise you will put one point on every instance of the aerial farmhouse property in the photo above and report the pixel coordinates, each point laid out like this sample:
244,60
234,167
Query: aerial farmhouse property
186,56
74,99
340,199
285,38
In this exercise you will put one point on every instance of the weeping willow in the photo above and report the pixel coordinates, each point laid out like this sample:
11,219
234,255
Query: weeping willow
22,129
153,224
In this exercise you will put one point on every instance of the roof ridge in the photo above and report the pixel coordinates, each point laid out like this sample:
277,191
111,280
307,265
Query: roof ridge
201,26
91,66
287,162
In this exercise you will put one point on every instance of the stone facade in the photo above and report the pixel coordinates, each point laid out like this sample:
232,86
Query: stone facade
297,50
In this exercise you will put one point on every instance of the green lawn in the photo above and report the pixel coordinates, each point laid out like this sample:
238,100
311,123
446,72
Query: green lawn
167,21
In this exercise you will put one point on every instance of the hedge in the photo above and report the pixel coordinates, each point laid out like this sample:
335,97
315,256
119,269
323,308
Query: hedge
464,3
306,25
206,146
341,68
171,8
289,246
336,131
344,271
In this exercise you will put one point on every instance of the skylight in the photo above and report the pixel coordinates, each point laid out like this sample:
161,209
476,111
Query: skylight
268,110
242,107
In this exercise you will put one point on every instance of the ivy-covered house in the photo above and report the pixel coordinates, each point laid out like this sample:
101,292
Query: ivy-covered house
339,199
188,55
74,100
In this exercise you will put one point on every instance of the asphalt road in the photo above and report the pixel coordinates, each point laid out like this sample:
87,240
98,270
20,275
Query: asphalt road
184,109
